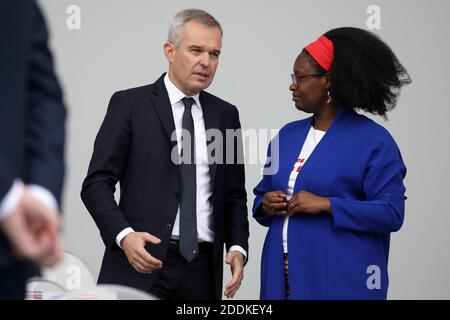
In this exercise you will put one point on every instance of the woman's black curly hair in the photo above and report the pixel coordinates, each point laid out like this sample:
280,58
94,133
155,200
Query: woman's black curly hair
365,73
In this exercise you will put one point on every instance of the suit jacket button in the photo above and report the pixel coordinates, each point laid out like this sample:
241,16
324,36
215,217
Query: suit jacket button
169,226
176,195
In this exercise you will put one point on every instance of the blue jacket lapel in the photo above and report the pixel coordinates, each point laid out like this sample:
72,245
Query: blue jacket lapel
331,136
290,144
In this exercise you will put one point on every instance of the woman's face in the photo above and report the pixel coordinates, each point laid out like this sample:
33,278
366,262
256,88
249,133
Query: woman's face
310,93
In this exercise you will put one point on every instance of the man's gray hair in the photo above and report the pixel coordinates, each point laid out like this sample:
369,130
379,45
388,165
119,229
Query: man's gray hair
183,17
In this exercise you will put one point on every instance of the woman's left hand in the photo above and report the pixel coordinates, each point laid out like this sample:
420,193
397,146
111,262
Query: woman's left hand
308,202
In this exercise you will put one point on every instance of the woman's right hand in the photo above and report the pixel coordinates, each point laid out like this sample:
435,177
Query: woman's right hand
275,203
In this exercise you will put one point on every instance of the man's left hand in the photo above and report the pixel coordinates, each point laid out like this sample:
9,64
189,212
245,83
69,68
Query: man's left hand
236,260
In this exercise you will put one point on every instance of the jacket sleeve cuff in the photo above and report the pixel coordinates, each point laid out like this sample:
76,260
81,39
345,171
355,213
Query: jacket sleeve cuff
241,250
122,235
11,200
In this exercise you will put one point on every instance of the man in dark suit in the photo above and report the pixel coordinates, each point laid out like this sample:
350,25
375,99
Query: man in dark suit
168,232
32,119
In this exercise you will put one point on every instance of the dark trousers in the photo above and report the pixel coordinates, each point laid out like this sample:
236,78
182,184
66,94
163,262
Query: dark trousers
182,280
13,280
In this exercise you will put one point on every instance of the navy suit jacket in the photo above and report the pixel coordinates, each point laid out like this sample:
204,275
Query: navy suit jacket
134,147
32,114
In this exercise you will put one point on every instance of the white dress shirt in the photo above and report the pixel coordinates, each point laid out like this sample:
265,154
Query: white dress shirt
204,191
312,140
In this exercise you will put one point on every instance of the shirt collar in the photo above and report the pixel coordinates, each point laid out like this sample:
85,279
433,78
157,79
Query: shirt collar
175,94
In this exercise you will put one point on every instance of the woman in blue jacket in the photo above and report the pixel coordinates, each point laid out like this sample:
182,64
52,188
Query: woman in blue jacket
332,189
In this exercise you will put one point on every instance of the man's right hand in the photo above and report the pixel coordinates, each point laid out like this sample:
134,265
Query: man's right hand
32,228
134,247
275,203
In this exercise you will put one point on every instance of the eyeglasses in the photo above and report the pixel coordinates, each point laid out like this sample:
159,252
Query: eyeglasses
296,79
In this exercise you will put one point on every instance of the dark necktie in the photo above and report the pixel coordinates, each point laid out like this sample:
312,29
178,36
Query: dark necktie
188,207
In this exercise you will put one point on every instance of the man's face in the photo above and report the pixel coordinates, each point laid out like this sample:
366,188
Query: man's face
193,64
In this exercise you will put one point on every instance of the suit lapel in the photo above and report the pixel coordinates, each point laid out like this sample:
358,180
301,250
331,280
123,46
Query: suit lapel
211,118
161,103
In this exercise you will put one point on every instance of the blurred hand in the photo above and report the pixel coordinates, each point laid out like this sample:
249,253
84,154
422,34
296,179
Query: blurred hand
134,247
274,203
308,202
32,229
236,260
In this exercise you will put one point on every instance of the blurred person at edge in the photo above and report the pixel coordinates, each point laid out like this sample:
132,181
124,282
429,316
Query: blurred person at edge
32,118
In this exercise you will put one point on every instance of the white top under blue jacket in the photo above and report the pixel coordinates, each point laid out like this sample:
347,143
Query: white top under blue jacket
358,165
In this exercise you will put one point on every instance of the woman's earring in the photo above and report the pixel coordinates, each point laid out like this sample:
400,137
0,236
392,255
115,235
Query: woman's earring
329,96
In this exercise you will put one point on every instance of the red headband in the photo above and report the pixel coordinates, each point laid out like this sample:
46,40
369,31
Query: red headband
322,50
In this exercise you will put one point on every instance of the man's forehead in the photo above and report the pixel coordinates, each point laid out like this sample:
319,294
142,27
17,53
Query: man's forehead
198,26
201,35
